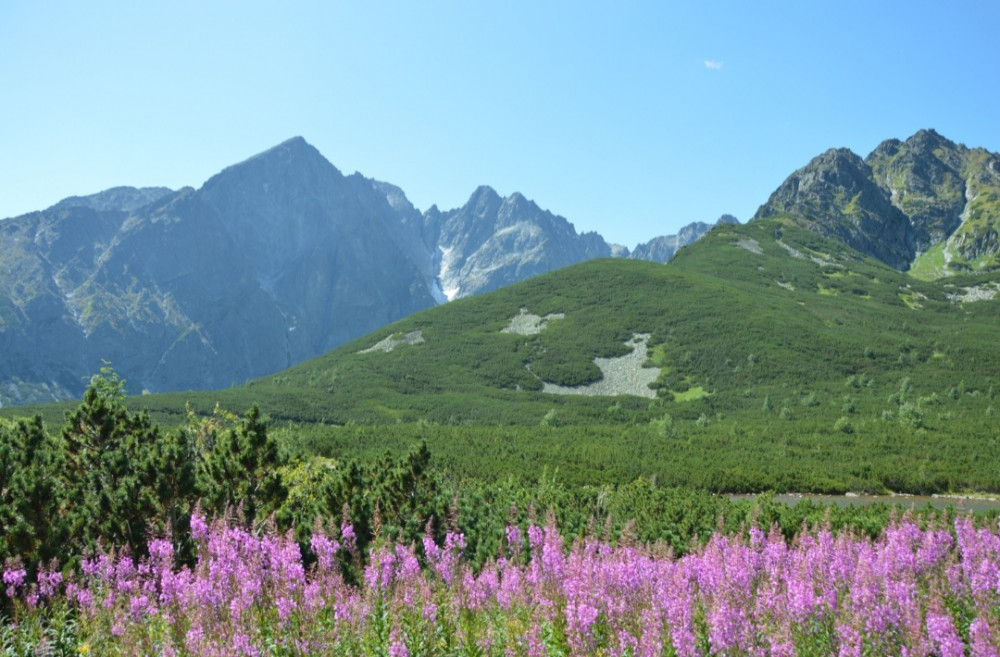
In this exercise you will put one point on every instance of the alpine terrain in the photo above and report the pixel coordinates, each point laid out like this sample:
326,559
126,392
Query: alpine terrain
272,261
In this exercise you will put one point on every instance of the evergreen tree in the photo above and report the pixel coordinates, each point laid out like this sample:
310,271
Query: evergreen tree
123,478
29,465
241,471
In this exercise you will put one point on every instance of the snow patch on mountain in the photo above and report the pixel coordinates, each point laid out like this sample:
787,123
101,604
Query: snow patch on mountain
448,279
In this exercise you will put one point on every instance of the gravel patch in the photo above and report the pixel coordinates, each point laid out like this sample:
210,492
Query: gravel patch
393,341
983,292
823,260
524,323
624,375
792,251
751,245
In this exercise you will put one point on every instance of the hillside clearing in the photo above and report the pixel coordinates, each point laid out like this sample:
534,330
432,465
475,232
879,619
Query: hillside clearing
624,375
524,323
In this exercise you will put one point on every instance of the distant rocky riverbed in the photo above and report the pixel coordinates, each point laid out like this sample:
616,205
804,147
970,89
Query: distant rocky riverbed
917,501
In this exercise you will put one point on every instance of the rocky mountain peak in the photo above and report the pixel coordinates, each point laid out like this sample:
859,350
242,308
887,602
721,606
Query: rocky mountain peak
293,166
492,241
904,199
484,202
923,177
926,141
290,149
836,194
818,188
662,249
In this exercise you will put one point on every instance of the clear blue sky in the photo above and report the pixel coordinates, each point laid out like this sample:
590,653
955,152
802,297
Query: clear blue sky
628,118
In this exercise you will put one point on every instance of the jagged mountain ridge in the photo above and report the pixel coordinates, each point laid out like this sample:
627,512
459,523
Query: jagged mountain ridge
662,249
907,203
272,261
492,241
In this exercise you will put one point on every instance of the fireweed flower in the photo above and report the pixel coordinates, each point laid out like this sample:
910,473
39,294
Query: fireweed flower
325,550
982,641
13,579
347,535
514,540
199,528
943,635
913,591
48,582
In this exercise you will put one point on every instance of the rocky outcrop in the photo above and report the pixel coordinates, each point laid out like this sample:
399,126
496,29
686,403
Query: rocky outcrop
837,195
905,198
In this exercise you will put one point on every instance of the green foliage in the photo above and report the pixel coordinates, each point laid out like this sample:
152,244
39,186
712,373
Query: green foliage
113,476
30,462
389,498
111,463
911,415
843,425
241,470
649,482
551,419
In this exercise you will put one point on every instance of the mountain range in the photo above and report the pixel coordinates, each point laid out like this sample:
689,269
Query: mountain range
281,258
272,261
765,356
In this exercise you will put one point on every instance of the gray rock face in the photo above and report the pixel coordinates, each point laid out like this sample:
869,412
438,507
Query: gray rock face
272,261
836,192
951,193
662,249
492,241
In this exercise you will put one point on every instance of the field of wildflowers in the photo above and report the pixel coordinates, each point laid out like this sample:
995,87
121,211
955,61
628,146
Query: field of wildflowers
919,589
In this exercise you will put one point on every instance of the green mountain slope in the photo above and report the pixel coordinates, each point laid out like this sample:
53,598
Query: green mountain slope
778,358
768,307
775,357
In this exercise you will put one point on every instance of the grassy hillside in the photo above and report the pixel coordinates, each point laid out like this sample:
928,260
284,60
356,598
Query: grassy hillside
786,360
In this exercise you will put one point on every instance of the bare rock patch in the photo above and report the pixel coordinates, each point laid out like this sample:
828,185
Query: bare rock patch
624,375
524,323
393,341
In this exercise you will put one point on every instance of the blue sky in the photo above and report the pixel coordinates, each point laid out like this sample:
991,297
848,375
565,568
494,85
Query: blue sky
628,118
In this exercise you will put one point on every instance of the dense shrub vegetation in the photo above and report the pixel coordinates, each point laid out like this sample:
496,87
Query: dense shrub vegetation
111,477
